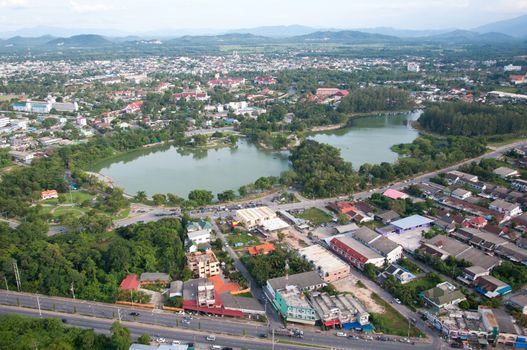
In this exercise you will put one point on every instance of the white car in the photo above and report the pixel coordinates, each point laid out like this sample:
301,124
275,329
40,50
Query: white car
341,334
397,300
161,340
176,342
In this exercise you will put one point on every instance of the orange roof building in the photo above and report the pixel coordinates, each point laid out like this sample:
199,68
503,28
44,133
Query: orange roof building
131,282
49,194
261,249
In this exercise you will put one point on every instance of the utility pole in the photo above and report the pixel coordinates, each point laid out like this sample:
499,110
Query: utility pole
272,342
72,290
119,314
17,274
6,285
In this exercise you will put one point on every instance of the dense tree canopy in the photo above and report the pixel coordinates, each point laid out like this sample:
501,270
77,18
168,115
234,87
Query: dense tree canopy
95,262
375,99
473,119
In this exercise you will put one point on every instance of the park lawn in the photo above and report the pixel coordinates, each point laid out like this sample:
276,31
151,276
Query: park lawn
315,216
69,210
391,321
244,238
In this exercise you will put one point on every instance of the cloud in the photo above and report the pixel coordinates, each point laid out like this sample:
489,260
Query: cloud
13,4
80,7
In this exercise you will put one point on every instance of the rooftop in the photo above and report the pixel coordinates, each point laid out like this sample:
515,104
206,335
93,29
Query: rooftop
301,280
411,222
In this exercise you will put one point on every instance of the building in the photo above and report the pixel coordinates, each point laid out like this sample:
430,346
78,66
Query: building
413,67
472,273
265,80
519,185
262,249
394,194
4,121
355,252
339,310
204,264
206,296
226,82
133,107
65,106
176,289
414,222
199,236
293,306
305,281
399,273
461,194
199,225
518,302
382,245
386,217
191,95
49,194
443,295
512,68
330,267
154,278
131,282
505,172
22,157
252,217
504,207
32,106
491,287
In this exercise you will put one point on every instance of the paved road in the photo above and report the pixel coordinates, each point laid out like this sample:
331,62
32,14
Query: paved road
229,332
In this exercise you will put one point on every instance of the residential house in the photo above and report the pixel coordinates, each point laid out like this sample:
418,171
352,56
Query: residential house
49,194
491,287
505,172
518,302
262,249
199,236
394,194
519,184
131,282
461,194
442,296
503,207
387,216
399,273
472,273
154,278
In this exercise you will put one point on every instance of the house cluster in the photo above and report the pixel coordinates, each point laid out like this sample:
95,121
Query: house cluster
297,299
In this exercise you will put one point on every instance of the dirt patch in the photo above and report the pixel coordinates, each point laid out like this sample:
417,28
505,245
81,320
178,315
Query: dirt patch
363,294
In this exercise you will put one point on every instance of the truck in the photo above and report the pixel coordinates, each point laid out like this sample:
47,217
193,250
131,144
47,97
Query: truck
286,332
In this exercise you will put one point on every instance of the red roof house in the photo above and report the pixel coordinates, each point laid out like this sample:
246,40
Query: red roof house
131,282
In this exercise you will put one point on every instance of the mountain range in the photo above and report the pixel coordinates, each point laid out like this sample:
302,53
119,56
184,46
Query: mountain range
510,31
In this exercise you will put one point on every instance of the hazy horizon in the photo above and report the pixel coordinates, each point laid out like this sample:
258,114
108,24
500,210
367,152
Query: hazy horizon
137,17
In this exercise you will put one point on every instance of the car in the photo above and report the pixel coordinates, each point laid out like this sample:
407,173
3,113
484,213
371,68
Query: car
262,335
161,340
211,337
176,342
341,334
134,314
397,300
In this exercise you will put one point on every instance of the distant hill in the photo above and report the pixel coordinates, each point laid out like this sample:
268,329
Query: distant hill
516,27
277,31
403,33
345,36
232,38
27,42
83,40
469,37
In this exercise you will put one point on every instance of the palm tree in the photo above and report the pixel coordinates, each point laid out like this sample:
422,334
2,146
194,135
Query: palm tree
141,196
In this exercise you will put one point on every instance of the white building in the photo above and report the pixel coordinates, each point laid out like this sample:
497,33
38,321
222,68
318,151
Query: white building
200,236
413,67
4,121
330,267
511,68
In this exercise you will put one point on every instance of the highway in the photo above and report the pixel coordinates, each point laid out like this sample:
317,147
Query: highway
158,323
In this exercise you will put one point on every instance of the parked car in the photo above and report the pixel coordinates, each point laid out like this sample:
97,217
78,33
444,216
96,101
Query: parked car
341,334
134,314
211,337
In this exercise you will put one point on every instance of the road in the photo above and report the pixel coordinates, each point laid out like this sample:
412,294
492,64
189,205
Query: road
229,332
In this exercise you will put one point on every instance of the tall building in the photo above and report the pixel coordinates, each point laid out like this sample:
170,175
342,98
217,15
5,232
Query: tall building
203,265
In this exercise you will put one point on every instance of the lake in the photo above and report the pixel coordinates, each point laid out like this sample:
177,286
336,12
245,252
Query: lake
167,169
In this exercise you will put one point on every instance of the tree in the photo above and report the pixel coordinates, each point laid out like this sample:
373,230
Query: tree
227,196
159,199
144,339
174,200
242,191
121,338
344,219
201,197
141,196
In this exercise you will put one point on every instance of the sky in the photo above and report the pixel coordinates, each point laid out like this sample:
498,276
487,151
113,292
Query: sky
140,16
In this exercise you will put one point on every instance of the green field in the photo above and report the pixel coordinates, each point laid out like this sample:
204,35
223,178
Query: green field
243,238
316,216
69,210
391,321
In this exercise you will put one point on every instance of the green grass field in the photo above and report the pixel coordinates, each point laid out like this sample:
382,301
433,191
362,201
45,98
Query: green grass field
246,238
391,321
316,216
